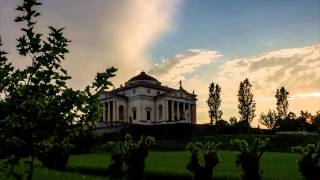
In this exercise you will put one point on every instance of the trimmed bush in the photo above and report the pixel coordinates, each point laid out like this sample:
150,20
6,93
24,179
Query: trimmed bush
132,153
249,157
309,162
210,156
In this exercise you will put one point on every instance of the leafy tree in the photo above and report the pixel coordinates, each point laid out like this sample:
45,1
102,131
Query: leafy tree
210,156
247,105
214,103
269,119
132,153
282,102
40,115
309,161
233,121
249,157
316,121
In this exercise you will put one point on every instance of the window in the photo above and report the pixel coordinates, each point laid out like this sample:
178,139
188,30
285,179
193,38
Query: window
148,91
158,92
134,90
134,113
148,110
148,115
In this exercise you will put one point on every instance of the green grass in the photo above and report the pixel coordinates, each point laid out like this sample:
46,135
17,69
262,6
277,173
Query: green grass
172,165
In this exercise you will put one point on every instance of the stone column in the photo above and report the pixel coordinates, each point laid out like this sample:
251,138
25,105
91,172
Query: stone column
166,110
114,111
109,111
172,110
189,112
104,112
195,114
178,111
185,117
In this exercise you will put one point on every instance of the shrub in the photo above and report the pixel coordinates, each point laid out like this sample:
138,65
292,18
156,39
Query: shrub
210,156
249,157
309,162
132,153
54,157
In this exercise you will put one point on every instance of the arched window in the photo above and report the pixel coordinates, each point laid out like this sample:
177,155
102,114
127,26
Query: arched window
160,111
148,111
121,113
134,113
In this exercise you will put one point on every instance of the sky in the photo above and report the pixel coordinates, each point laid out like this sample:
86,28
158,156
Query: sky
273,43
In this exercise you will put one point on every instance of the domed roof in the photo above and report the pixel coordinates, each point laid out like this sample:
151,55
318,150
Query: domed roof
143,76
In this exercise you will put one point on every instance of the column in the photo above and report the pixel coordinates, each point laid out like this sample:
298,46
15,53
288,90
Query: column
185,117
109,111
195,114
189,113
104,112
166,110
114,111
178,109
172,110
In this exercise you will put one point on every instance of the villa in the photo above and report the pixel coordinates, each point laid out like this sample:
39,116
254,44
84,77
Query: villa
143,100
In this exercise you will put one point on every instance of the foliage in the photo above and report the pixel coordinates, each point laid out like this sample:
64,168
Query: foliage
214,103
249,157
282,102
233,121
222,123
247,105
210,156
269,119
309,162
132,153
39,114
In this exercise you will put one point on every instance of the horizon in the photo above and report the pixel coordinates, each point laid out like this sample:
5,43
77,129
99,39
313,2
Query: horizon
195,42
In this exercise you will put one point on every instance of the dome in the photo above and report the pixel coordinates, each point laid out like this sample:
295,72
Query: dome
144,78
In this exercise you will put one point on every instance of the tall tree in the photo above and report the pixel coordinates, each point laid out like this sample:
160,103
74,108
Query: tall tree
214,103
269,119
247,104
282,102
40,115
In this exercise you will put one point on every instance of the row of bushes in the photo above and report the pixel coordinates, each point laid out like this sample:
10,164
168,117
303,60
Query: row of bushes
133,154
278,143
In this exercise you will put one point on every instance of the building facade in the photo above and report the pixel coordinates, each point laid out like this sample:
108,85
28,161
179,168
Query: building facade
143,100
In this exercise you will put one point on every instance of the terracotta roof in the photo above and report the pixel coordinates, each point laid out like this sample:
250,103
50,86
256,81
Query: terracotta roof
143,76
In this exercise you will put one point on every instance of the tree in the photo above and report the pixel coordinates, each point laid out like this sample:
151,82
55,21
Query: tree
282,102
40,116
247,105
233,121
214,103
269,119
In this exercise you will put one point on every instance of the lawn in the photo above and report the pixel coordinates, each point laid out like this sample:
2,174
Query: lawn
172,165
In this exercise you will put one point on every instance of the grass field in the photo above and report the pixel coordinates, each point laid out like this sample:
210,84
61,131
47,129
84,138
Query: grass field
172,165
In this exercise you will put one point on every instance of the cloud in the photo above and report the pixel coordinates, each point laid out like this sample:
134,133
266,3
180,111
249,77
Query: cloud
305,95
176,68
298,69
103,33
